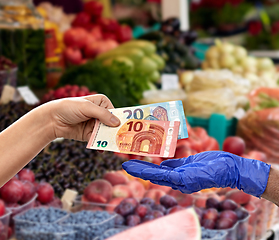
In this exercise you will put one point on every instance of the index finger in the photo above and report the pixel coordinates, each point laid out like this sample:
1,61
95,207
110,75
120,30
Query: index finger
100,100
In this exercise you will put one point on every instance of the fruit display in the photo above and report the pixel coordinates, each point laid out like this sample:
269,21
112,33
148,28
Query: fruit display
66,91
261,72
176,55
68,164
22,192
11,112
52,223
92,34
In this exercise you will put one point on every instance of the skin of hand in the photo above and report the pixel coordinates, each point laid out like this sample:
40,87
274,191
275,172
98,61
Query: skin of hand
70,118
271,192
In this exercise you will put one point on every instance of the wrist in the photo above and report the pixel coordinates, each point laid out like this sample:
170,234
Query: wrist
43,117
271,192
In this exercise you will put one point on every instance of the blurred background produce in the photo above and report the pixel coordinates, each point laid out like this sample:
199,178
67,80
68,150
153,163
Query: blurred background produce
224,68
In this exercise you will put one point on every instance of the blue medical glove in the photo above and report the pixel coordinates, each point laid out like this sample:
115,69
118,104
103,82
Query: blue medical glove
204,170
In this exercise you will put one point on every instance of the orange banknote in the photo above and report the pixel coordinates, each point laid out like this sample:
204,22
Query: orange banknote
139,137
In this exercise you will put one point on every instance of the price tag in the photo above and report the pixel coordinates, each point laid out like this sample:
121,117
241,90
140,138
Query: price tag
7,94
170,81
67,199
28,96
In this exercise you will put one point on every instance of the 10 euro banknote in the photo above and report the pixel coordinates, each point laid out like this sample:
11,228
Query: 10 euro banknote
136,136
165,111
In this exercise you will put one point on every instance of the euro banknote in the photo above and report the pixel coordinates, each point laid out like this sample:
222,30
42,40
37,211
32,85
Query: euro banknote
165,111
136,136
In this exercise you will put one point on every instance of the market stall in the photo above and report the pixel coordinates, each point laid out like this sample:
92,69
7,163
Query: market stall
192,83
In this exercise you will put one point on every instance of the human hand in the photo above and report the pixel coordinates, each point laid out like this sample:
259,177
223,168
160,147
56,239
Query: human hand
74,118
204,170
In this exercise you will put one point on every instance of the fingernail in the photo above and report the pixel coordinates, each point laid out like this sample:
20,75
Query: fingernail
114,120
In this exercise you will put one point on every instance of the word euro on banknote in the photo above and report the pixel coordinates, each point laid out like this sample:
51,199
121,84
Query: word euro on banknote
139,137
165,111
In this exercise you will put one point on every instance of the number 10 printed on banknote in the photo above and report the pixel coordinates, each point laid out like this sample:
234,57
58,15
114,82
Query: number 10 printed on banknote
134,136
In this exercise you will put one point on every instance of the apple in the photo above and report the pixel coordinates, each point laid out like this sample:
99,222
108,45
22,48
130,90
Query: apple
81,19
124,33
73,56
109,25
96,32
93,8
75,37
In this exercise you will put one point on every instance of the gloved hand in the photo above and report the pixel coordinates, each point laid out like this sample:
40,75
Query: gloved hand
204,170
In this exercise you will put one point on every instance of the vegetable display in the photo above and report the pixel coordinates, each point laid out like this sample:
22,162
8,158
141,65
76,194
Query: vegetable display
26,48
261,72
260,125
214,91
176,54
130,68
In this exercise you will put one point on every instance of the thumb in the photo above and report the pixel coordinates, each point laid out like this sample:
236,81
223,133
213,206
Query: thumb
92,110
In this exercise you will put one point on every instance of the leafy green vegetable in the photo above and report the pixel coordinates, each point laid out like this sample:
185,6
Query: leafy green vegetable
265,101
121,85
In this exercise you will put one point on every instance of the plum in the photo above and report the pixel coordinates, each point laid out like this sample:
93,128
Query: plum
142,210
125,208
132,220
229,214
45,193
168,201
224,223
148,201
208,223
12,191
210,213
212,203
227,204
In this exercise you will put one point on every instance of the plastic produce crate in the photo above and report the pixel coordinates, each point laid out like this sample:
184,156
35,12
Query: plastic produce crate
79,205
92,226
4,225
217,126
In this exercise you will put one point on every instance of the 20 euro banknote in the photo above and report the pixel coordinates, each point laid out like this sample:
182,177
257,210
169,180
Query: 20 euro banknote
165,111
135,136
